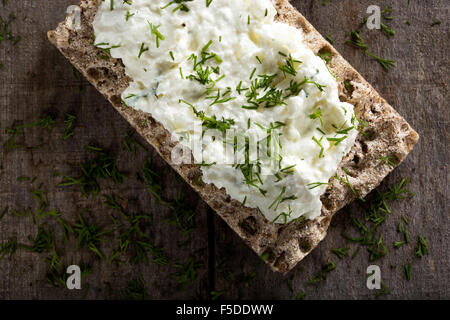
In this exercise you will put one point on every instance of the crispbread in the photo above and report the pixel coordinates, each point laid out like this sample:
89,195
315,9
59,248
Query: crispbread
283,246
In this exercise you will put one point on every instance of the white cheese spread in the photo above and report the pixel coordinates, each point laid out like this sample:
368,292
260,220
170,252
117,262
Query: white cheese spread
256,92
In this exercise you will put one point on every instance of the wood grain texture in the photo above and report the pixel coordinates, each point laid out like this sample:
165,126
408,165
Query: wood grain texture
36,78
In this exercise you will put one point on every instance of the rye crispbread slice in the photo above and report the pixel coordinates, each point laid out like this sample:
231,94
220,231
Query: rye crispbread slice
283,246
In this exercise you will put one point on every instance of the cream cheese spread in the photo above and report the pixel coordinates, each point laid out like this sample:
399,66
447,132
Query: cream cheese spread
223,75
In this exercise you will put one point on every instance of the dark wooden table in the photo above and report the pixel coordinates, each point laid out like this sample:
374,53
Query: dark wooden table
35,79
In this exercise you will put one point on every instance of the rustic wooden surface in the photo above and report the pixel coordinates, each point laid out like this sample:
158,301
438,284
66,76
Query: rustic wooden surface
36,79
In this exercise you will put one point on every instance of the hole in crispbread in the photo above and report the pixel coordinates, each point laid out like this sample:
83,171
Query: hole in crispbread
198,180
101,76
93,73
375,109
280,263
326,201
305,244
249,225
364,147
346,90
116,100
267,256
349,88
326,54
